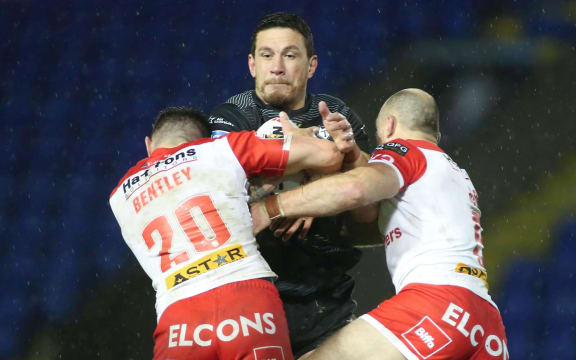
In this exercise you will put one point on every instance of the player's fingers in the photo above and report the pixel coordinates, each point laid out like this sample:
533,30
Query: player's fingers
323,109
275,224
284,224
283,116
306,227
295,226
338,125
285,121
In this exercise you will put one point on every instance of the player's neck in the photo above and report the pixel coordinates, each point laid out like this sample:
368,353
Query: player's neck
412,135
167,144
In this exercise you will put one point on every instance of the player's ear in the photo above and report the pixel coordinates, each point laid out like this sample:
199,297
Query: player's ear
312,65
391,124
251,65
148,143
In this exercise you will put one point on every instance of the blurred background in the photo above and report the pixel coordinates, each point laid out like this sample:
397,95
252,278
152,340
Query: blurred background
81,82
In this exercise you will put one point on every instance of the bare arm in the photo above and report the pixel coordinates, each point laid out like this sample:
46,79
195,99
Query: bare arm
341,131
331,195
307,152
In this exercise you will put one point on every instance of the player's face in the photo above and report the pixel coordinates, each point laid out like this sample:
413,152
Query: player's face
281,68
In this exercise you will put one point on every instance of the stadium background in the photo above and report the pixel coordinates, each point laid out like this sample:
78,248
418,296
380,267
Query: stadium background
81,81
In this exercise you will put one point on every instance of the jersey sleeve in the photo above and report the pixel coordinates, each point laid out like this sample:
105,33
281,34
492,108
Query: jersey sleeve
227,118
406,159
266,157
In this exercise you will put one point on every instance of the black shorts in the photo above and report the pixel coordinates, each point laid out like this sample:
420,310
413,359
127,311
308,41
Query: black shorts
313,318
313,283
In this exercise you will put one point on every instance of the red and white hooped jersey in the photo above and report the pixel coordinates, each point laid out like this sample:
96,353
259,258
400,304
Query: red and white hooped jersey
431,228
184,213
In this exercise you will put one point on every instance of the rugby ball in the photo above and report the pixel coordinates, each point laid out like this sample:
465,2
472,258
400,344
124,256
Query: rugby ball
272,129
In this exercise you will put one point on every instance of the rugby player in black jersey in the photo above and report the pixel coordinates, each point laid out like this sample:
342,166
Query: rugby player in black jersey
313,283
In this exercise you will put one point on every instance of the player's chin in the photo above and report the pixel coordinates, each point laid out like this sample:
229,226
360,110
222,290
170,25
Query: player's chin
278,99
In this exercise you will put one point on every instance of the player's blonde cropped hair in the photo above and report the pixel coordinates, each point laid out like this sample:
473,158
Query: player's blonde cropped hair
416,110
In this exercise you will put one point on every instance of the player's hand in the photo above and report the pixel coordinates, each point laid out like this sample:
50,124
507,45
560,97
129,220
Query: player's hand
261,187
289,128
260,220
341,131
285,228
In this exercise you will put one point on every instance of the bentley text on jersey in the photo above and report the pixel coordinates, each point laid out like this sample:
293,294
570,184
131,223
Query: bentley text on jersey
160,186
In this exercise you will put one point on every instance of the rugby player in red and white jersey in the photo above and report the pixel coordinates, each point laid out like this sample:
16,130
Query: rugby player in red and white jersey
428,216
183,212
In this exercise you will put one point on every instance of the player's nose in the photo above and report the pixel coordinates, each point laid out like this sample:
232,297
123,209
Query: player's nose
278,67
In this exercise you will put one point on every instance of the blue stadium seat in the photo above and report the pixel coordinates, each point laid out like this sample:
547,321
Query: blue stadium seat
61,288
565,242
521,305
15,314
111,252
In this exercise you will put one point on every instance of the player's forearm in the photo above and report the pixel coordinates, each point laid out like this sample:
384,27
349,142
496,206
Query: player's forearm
308,153
327,196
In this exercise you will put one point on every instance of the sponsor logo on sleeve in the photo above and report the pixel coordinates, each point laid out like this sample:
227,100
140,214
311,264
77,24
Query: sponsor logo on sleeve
219,120
399,149
210,262
426,338
381,158
218,133
269,353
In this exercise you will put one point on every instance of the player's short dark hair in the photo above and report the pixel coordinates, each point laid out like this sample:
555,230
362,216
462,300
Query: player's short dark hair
284,20
182,115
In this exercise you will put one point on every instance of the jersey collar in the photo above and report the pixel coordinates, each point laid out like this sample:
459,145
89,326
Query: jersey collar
425,145
291,113
163,152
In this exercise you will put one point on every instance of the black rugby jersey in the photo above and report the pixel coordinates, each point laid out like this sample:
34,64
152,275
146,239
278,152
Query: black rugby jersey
312,279
246,111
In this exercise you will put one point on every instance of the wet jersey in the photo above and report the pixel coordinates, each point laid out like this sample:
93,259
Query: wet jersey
183,212
431,228
312,278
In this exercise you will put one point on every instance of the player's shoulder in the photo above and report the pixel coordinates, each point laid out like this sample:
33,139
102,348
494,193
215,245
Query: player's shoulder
164,158
140,165
242,100
400,147
334,103
235,114
234,104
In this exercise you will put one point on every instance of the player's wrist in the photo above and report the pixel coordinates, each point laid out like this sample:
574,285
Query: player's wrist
273,207
352,156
